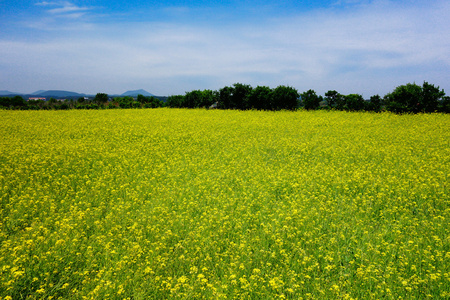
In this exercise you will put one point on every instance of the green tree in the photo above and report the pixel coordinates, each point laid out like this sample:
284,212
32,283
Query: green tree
4,101
193,99
444,104
235,97
112,105
16,101
149,101
375,103
333,98
35,104
260,98
101,98
404,99
143,99
240,95
310,99
155,102
64,106
175,101
225,94
431,96
284,97
125,102
209,97
354,102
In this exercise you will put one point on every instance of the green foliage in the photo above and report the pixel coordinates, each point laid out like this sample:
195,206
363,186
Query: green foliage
444,104
235,97
4,101
284,97
18,101
405,98
240,94
260,98
149,101
125,102
409,98
111,105
175,101
192,99
93,106
143,99
354,102
412,98
431,96
310,100
64,106
14,102
208,98
225,97
333,98
375,103
101,98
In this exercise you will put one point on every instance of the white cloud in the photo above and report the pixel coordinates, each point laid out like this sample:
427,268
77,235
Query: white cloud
367,50
60,16
47,3
64,8
68,8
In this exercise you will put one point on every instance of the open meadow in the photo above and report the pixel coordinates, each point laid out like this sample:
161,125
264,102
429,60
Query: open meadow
214,204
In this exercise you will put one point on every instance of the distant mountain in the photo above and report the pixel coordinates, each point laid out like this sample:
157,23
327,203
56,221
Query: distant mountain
137,92
6,93
72,95
38,92
59,94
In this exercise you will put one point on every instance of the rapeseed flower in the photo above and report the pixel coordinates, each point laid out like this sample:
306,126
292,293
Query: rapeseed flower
172,203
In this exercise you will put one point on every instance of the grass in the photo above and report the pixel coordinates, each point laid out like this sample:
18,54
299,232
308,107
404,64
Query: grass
191,204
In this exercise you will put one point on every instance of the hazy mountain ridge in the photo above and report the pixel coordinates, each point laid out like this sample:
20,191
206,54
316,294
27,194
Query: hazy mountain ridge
38,92
137,92
7,93
70,94
59,93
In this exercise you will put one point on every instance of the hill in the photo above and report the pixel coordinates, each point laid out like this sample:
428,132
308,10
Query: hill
38,92
59,94
137,92
7,93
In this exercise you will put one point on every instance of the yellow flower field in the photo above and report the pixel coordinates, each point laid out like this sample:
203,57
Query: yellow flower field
192,204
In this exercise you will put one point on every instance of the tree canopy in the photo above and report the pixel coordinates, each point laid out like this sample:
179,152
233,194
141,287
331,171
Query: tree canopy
408,98
412,98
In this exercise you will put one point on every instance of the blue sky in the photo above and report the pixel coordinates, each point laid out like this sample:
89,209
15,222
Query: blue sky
170,47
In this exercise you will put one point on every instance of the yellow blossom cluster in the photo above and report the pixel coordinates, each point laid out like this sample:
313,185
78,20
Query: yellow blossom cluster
209,204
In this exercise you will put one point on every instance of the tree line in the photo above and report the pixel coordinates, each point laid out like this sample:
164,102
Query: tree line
409,98
100,101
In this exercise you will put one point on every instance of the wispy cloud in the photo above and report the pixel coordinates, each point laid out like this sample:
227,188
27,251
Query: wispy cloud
47,3
68,9
60,16
369,49
64,8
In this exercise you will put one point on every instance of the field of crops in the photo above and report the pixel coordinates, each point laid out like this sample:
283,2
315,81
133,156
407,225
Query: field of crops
191,204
